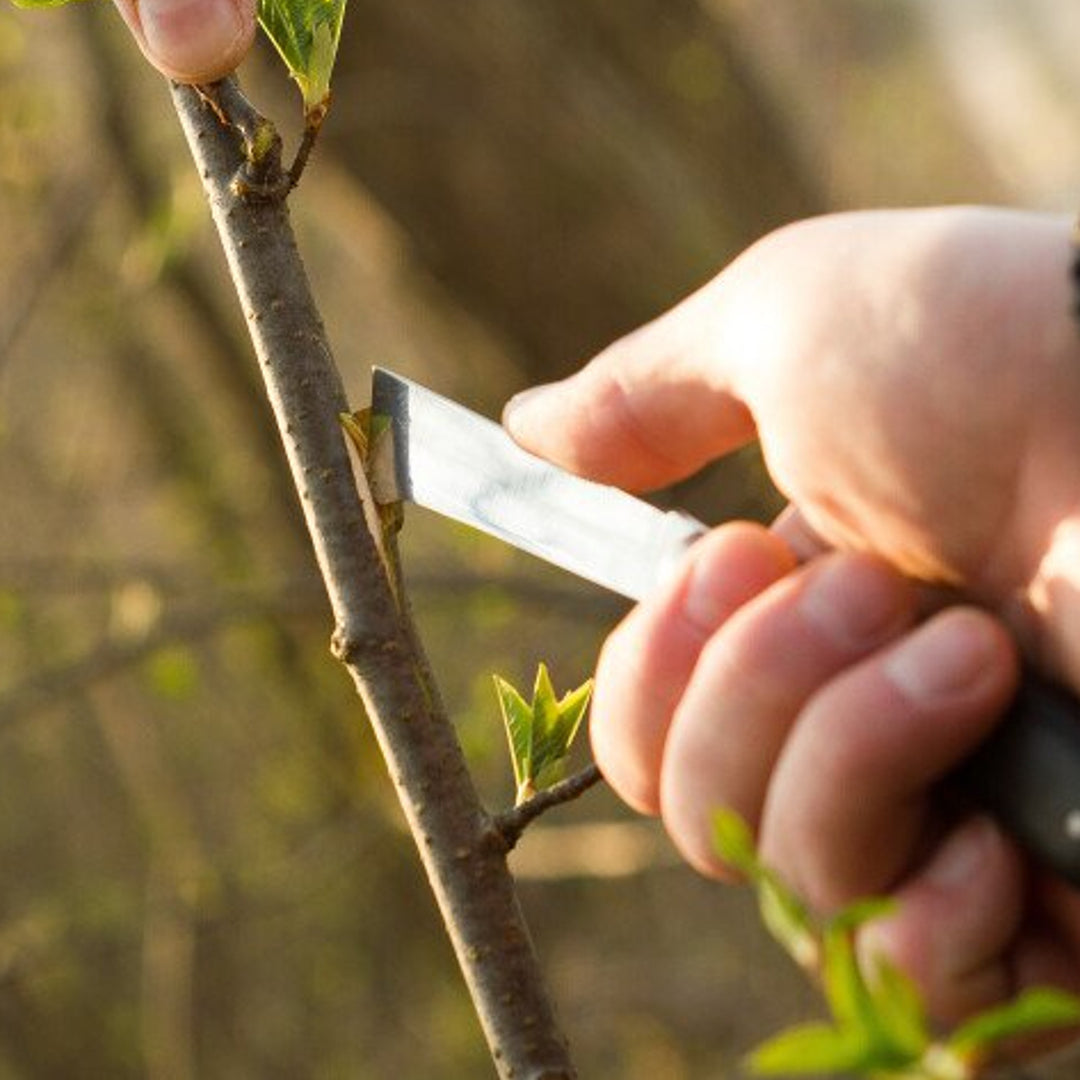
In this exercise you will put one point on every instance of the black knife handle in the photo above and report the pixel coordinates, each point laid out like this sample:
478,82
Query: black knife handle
1027,774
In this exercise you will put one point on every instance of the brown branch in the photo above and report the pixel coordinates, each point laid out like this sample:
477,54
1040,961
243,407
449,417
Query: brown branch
513,823
463,854
313,123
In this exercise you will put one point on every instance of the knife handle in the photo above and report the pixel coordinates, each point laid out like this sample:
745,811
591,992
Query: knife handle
1027,774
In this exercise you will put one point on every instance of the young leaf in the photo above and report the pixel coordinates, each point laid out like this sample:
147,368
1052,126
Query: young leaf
784,914
808,1048
1034,1011
540,732
787,918
306,34
39,3
899,1010
734,843
879,1024
555,722
518,721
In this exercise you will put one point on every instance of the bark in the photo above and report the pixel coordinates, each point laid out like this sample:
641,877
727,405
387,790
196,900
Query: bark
463,853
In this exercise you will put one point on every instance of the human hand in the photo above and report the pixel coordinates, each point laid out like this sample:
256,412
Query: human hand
914,378
191,41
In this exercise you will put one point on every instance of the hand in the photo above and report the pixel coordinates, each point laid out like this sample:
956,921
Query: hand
191,41
914,379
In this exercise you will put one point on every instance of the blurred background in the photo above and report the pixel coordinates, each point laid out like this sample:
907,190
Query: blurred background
203,872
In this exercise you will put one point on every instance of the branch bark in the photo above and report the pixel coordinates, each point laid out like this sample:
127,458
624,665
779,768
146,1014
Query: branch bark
463,853
513,823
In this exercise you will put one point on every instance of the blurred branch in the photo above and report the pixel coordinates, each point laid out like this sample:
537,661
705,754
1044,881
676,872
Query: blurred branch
64,575
52,684
513,823
72,210
149,188
374,638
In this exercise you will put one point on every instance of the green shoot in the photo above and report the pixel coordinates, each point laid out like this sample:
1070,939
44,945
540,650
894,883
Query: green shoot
306,34
879,1026
540,732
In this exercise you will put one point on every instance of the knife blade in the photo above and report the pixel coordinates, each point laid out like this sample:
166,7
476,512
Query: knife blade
443,456
451,460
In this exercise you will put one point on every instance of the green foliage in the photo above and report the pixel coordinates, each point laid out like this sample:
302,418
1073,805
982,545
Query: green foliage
879,1026
1039,1009
540,732
306,34
172,673
39,3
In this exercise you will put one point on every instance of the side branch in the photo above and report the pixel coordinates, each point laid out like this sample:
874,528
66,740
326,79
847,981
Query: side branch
511,824
461,851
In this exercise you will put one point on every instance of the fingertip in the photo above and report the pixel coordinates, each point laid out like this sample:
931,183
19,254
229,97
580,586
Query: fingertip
192,41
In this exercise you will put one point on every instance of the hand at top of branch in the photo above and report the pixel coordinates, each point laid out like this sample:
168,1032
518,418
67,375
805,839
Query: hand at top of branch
191,41
914,379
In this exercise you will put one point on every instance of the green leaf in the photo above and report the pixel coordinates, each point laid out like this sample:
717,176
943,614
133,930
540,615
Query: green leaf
789,921
518,720
1034,1011
845,990
734,843
39,3
879,1024
785,916
899,1010
808,1048
556,721
306,34
541,732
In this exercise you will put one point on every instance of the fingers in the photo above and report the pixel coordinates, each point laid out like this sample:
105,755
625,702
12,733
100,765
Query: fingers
191,40
647,661
848,799
649,410
754,678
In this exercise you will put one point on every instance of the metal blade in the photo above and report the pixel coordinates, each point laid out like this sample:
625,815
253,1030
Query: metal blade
462,465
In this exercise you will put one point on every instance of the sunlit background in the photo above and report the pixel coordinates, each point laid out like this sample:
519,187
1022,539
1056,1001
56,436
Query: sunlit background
203,872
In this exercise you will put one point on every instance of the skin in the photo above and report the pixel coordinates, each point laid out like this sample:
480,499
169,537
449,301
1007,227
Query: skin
914,379
191,41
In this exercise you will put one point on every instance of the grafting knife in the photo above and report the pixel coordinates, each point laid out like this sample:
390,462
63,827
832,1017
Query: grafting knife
441,455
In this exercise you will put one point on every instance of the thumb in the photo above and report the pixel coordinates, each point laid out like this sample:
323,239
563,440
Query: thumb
191,40
649,410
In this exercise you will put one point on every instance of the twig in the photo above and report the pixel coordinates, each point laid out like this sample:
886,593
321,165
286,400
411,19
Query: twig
513,823
313,123
463,854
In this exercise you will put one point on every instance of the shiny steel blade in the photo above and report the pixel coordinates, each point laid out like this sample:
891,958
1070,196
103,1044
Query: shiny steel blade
462,465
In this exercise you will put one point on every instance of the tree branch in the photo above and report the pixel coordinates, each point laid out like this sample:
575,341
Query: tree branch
513,823
463,854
